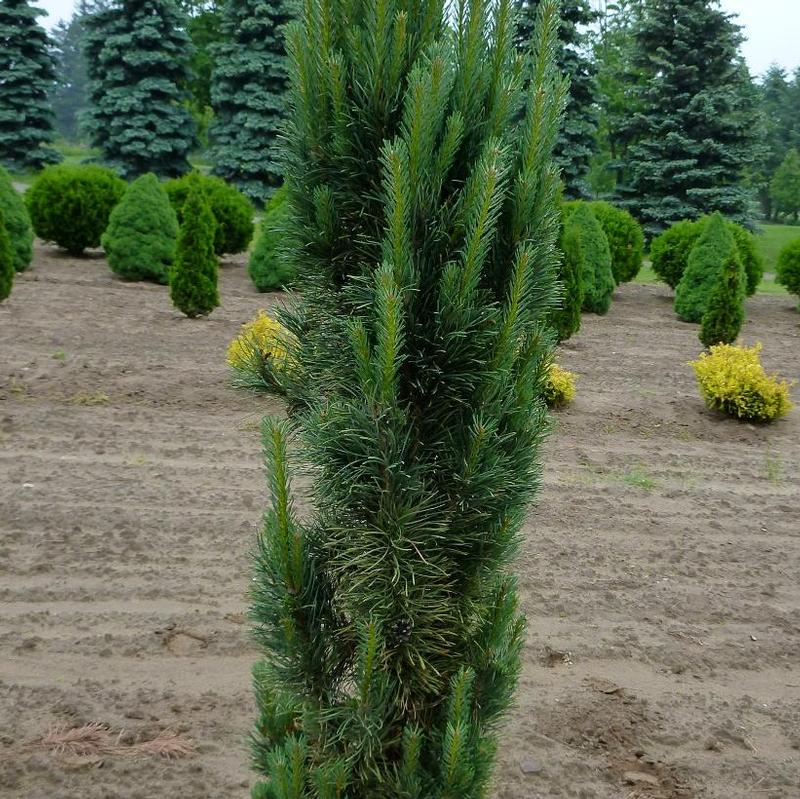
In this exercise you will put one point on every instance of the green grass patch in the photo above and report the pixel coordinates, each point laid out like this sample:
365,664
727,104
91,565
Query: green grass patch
771,239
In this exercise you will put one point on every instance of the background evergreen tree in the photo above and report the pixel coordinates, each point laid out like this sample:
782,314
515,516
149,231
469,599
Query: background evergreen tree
248,88
692,140
137,54
577,142
7,270
27,76
423,224
193,278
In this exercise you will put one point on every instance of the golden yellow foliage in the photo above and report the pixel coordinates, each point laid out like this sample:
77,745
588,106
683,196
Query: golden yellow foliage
733,381
559,389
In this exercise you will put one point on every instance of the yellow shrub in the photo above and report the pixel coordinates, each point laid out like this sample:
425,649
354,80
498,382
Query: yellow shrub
732,380
262,349
559,389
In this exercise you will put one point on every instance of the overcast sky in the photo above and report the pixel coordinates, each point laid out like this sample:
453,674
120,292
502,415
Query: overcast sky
771,26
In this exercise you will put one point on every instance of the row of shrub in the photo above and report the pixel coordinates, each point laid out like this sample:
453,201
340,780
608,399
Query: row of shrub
71,205
602,246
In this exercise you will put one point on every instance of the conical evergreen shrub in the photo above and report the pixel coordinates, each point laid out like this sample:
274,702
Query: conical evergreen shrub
423,225
566,320
18,223
788,268
595,255
706,261
725,315
751,258
193,278
268,269
7,270
670,251
142,232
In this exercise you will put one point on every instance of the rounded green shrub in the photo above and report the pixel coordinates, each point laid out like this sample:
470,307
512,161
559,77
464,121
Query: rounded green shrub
788,267
715,247
566,320
669,252
597,276
142,233
18,223
725,315
625,239
232,211
193,277
7,270
70,205
267,269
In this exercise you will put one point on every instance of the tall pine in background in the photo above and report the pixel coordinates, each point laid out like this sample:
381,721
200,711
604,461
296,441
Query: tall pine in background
691,139
577,142
27,77
137,53
248,87
423,221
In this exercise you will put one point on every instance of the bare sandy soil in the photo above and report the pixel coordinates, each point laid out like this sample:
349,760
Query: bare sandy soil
661,571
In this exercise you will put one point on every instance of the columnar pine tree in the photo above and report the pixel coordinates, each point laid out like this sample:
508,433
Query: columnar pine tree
137,53
26,78
577,141
724,317
248,94
692,139
424,224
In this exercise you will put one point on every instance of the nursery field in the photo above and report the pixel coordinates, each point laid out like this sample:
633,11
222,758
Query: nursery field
660,572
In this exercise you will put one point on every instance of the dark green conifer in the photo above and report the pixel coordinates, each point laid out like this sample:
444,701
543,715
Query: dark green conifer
27,76
566,320
193,278
577,142
625,240
715,247
268,268
597,274
724,316
18,222
137,53
423,227
142,232
248,95
692,140
7,270
788,268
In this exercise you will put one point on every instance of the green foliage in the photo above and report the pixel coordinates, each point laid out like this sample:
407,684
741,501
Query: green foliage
142,232
70,205
232,210
193,277
248,88
788,268
566,320
7,270
26,75
268,270
715,248
423,226
577,141
594,254
751,257
625,239
17,221
724,317
70,93
785,186
691,136
669,252
137,54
